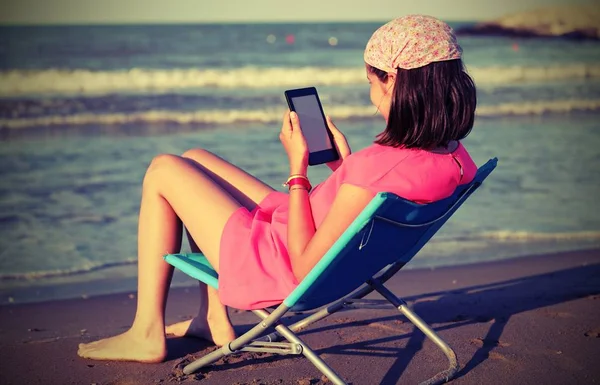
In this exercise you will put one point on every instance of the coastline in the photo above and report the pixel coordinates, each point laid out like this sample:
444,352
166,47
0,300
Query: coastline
532,319
122,278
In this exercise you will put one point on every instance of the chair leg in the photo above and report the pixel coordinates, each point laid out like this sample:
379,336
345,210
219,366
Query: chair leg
234,346
311,355
443,376
285,332
269,319
307,321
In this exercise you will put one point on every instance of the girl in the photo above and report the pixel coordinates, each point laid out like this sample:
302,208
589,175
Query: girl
263,242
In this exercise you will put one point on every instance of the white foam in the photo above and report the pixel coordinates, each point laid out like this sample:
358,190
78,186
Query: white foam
525,236
520,74
86,82
539,107
85,268
261,116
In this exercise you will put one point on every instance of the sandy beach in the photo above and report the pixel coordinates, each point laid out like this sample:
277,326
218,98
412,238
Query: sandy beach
531,320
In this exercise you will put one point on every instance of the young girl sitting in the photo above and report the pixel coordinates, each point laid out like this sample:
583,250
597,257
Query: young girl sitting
263,242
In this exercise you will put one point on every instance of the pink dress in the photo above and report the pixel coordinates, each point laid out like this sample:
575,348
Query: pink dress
254,268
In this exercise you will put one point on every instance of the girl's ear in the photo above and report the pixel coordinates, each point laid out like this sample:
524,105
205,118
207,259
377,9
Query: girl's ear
391,78
389,83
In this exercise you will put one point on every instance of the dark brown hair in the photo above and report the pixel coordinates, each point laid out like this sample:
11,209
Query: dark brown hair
431,106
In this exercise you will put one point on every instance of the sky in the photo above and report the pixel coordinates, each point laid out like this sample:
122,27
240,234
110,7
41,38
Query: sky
206,11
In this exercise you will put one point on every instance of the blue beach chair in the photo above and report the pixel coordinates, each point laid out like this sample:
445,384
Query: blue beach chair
379,242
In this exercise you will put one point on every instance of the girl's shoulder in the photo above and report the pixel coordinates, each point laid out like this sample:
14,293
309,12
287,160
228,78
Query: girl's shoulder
377,158
373,162
414,174
378,153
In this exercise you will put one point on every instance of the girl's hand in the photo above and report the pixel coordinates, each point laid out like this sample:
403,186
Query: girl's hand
341,144
293,141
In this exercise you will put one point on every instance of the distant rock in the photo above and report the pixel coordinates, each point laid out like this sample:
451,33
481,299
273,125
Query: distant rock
577,22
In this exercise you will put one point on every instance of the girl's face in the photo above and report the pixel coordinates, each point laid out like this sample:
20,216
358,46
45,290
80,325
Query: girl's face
381,92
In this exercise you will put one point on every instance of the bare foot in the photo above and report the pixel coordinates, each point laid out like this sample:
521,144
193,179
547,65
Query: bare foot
125,347
219,333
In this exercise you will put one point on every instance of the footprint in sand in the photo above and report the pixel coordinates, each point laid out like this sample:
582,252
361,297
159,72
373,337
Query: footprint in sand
497,356
124,381
311,381
388,328
480,342
559,314
177,374
42,341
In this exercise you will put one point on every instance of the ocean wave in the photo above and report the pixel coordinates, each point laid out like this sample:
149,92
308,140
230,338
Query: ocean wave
524,74
218,117
87,268
539,107
485,239
57,81
449,244
526,236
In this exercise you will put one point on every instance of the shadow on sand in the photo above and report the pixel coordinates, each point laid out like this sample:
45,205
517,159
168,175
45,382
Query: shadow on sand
493,303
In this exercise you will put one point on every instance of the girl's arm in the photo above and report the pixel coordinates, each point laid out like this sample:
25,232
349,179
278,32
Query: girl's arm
305,245
301,225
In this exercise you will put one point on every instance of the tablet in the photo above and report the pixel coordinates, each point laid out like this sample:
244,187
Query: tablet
305,102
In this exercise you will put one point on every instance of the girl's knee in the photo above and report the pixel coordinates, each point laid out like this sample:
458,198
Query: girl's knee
195,153
160,165
164,161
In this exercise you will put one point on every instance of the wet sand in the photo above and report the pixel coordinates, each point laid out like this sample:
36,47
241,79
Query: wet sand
531,320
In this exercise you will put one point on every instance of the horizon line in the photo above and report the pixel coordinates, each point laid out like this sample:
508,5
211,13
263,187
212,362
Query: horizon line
202,22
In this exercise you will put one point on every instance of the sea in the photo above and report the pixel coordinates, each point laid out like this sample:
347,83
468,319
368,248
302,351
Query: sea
84,109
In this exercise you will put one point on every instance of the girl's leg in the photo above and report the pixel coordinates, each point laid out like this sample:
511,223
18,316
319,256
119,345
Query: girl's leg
173,191
245,188
212,321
